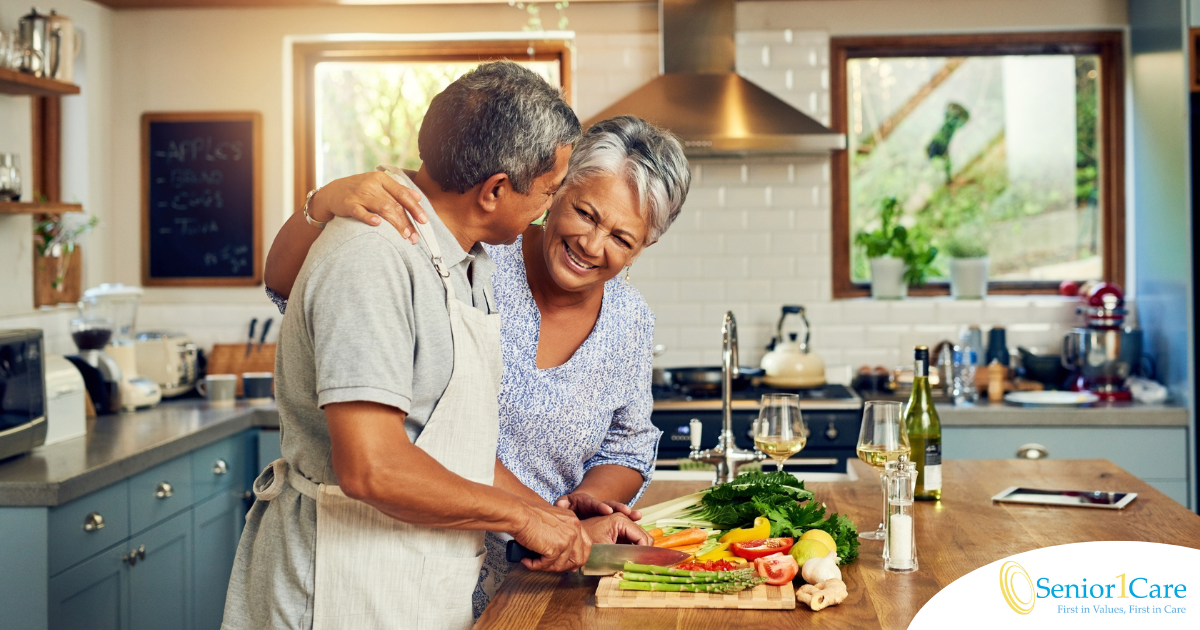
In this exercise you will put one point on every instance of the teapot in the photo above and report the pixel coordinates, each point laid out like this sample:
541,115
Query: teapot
789,363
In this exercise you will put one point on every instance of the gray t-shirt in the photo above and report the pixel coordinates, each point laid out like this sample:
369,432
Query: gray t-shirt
367,321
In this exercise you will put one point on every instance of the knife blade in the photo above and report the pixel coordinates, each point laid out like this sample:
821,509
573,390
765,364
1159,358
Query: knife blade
266,329
608,559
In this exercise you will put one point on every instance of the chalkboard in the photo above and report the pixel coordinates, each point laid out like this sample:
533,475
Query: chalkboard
201,199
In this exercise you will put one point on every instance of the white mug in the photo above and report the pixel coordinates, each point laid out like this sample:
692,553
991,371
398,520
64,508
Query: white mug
219,389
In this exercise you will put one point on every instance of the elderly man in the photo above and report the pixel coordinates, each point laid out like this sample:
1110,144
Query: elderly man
386,379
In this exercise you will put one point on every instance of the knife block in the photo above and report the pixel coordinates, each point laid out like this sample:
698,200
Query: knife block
231,358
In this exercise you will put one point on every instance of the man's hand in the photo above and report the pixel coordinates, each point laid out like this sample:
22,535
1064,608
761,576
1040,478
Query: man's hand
585,505
616,528
367,197
556,534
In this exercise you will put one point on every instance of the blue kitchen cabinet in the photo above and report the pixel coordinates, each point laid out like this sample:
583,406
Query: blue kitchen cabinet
160,582
217,524
94,594
134,555
1156,455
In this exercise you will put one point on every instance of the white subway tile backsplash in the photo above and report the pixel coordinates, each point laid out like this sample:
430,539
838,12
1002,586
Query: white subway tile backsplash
842,336
792,291
701,290
723,221
725,173
772,173
782,267
748,197
725,267
748,290
750,244
700,243
963,312
794,243
678,267
771,221
799,196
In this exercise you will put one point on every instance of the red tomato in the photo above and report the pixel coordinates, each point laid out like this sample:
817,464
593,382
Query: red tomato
779,569
1068,288
752,549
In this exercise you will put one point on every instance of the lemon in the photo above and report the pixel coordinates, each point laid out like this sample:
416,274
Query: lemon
807,549
821,535
761,529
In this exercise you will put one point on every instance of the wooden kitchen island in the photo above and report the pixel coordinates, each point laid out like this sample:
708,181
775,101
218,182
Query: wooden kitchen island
954,537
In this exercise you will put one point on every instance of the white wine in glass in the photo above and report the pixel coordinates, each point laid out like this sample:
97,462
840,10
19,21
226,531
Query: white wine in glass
779,431
883,438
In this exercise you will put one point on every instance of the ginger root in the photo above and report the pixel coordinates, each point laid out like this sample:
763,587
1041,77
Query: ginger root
822,595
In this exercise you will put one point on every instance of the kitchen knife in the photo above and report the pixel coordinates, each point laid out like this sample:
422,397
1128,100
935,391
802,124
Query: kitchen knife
250,339
266,329
608,559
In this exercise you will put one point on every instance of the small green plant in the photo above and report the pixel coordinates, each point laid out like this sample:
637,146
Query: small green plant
893,239
958,247
55,237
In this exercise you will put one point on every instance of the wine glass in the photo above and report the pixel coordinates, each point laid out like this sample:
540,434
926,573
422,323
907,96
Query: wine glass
779,430
883,438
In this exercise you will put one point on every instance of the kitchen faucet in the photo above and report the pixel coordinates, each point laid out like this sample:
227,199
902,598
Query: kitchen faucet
726,456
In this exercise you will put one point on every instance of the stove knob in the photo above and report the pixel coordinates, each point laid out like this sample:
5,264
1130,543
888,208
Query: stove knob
831,431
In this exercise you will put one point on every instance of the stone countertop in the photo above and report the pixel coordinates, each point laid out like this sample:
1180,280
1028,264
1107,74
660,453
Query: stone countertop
119,446
984,414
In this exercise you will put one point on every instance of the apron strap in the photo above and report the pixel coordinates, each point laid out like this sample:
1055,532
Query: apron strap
278,474
425,231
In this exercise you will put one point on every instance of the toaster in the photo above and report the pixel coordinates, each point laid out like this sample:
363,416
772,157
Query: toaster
169,359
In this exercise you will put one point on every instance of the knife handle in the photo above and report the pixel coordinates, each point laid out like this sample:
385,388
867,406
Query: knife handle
515,552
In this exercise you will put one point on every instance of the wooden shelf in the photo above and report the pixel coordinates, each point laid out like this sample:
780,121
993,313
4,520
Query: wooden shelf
43,207
19,83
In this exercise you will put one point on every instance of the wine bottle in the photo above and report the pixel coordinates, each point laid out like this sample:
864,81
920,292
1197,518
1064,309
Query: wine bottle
924,431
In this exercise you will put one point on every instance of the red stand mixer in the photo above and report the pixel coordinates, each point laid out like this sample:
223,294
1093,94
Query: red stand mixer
1104,352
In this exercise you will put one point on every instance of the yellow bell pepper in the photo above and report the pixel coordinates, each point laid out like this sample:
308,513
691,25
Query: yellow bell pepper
761,529
717,553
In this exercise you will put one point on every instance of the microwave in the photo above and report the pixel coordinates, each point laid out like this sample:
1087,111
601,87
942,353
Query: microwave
22,392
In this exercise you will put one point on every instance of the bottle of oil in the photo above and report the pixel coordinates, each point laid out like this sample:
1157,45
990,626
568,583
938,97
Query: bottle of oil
924,431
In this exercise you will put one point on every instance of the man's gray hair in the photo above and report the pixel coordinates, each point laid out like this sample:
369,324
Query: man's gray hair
498,118
649,158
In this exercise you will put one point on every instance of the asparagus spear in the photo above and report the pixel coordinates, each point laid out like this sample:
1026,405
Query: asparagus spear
721,588
679,579
631,567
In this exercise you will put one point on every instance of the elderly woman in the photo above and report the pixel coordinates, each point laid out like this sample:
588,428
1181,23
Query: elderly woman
577,340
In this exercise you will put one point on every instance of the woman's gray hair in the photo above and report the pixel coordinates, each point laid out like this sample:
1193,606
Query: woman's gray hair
649,158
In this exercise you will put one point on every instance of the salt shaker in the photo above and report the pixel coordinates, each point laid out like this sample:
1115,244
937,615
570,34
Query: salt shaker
900,546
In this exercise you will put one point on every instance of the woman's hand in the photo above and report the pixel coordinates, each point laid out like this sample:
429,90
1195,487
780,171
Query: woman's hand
366,198
616,529
586,506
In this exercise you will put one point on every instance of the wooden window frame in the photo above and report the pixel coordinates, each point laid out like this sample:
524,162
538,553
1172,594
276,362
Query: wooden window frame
306,56
1108,45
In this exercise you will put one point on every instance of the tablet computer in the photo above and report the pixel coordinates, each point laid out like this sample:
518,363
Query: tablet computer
1066,498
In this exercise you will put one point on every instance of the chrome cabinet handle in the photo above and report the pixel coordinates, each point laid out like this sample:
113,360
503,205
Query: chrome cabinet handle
164,490
220,467
130,559
1032,451
141,552
93,522
831,431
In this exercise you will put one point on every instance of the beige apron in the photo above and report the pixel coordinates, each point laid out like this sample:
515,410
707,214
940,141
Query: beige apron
376,572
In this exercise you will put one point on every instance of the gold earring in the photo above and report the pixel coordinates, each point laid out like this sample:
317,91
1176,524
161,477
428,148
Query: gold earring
627,272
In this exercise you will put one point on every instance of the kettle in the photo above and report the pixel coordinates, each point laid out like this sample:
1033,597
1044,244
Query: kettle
31,31
789,364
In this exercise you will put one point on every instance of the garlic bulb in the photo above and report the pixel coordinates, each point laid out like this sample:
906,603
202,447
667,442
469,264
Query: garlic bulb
816,570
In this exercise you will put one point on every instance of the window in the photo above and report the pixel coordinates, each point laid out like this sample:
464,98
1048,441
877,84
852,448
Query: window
360,104
1011,142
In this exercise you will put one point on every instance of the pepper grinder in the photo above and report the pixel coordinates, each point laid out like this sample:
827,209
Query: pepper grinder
900,547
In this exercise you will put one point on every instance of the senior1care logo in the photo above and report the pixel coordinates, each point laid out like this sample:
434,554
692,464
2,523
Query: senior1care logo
1084,585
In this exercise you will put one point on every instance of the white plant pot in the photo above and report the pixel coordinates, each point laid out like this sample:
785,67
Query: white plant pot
887,278
968,278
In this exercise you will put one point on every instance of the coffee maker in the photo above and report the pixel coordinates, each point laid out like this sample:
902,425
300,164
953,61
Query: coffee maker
1105,351
117,304
101,373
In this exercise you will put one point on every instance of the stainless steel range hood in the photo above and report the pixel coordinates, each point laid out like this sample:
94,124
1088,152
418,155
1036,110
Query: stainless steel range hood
702,100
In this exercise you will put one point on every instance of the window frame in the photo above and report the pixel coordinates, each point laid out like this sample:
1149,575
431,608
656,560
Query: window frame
1107,45
306,56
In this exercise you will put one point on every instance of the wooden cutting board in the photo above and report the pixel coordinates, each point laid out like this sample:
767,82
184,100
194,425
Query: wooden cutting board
763,596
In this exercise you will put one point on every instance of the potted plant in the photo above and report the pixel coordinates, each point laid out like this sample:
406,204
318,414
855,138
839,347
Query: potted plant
55,238
968,266
898,256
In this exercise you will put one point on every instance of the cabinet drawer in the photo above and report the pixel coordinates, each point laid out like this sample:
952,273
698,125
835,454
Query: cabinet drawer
1146,452
219,467
88,525
160,492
